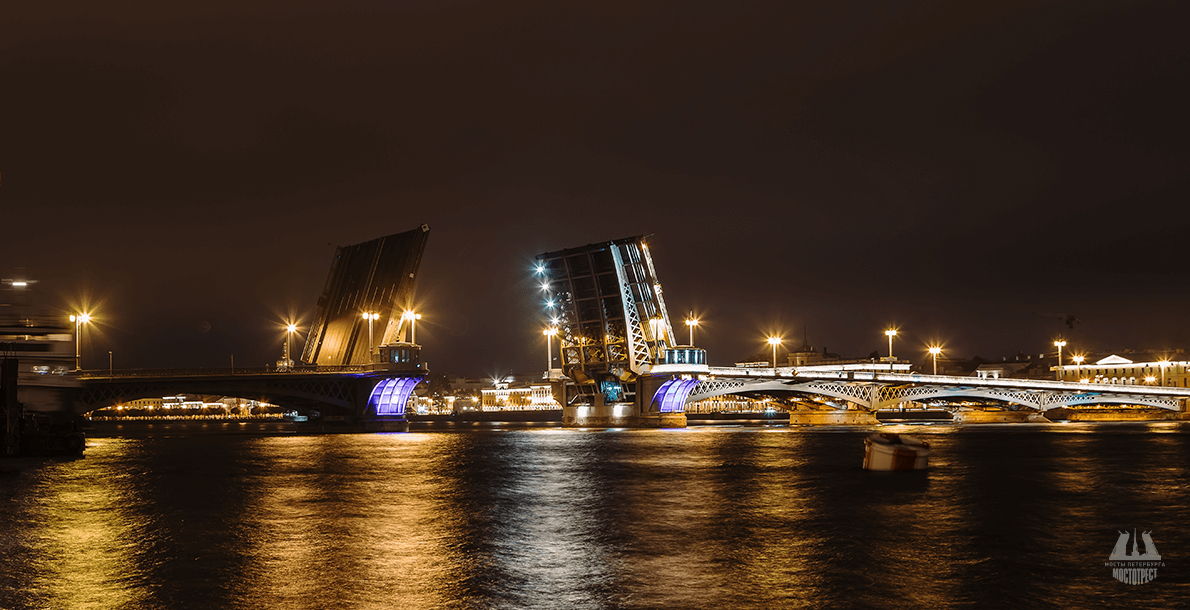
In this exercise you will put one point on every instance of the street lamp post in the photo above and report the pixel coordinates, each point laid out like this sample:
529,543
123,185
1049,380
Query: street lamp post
78,320
413,318
1078,367
934,351
892,332
774,341
289,330
1059,344
691,322
370,317
109,363
549,348
1163,363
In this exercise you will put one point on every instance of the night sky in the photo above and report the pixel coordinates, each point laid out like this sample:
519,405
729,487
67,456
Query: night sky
969,172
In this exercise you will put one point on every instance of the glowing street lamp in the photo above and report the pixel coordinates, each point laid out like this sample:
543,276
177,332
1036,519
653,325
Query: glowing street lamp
1150,379
1059,344
934,351
549,333
774,341
289,330
691,322
370,317
79,320
1078,364
412,318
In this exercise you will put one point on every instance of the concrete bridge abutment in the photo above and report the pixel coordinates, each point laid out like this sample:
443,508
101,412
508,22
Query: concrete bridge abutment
999,417
832,418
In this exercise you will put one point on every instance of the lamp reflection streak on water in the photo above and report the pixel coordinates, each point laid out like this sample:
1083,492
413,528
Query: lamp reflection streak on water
351,514
86,541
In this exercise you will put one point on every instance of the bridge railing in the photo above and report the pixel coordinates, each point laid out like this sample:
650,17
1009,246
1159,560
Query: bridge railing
220,372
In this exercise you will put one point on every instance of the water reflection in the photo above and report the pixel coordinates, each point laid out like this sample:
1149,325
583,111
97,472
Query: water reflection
85,538
732,517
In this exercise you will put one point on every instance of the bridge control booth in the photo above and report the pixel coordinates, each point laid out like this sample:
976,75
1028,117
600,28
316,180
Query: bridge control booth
398,357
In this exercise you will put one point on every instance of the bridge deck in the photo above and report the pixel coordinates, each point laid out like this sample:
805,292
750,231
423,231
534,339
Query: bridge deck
794,374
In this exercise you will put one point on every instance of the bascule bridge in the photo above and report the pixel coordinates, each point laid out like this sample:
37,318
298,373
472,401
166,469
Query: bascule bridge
620,366
605,305
360,362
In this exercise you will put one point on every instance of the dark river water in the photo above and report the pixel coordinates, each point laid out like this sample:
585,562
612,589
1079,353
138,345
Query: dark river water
713,517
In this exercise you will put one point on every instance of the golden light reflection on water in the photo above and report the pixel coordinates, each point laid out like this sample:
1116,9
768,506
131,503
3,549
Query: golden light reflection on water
363,527
725,517
86,540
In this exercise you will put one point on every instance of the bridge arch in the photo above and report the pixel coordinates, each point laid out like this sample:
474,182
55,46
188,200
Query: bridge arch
875,396
858,395
297,392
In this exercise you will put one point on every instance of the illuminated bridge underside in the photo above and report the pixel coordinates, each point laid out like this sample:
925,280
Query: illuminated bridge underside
879,394
390,396
293,390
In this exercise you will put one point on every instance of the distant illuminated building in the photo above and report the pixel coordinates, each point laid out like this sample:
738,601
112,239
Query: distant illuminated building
1119,370
534,397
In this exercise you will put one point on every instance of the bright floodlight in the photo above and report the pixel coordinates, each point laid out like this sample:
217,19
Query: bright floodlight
1078,359
691,322
550,332
774,340
1059,344
1150,379
891,332
935,351
540,269
291,328
85,318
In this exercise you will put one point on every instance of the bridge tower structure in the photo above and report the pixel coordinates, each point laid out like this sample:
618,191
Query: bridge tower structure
613,329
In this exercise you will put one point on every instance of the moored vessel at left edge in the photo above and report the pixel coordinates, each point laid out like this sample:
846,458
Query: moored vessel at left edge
38,384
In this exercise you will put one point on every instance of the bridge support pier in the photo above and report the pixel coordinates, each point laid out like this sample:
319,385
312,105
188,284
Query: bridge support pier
999,417
841,417
385,424
618,415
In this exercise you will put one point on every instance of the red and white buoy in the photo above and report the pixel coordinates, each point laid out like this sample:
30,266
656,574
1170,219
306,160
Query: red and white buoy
889,451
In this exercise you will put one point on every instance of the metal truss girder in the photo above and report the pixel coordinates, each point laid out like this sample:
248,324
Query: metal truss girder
1069,400
859,394
656,289
875,396
638,347
1040,400
713,387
